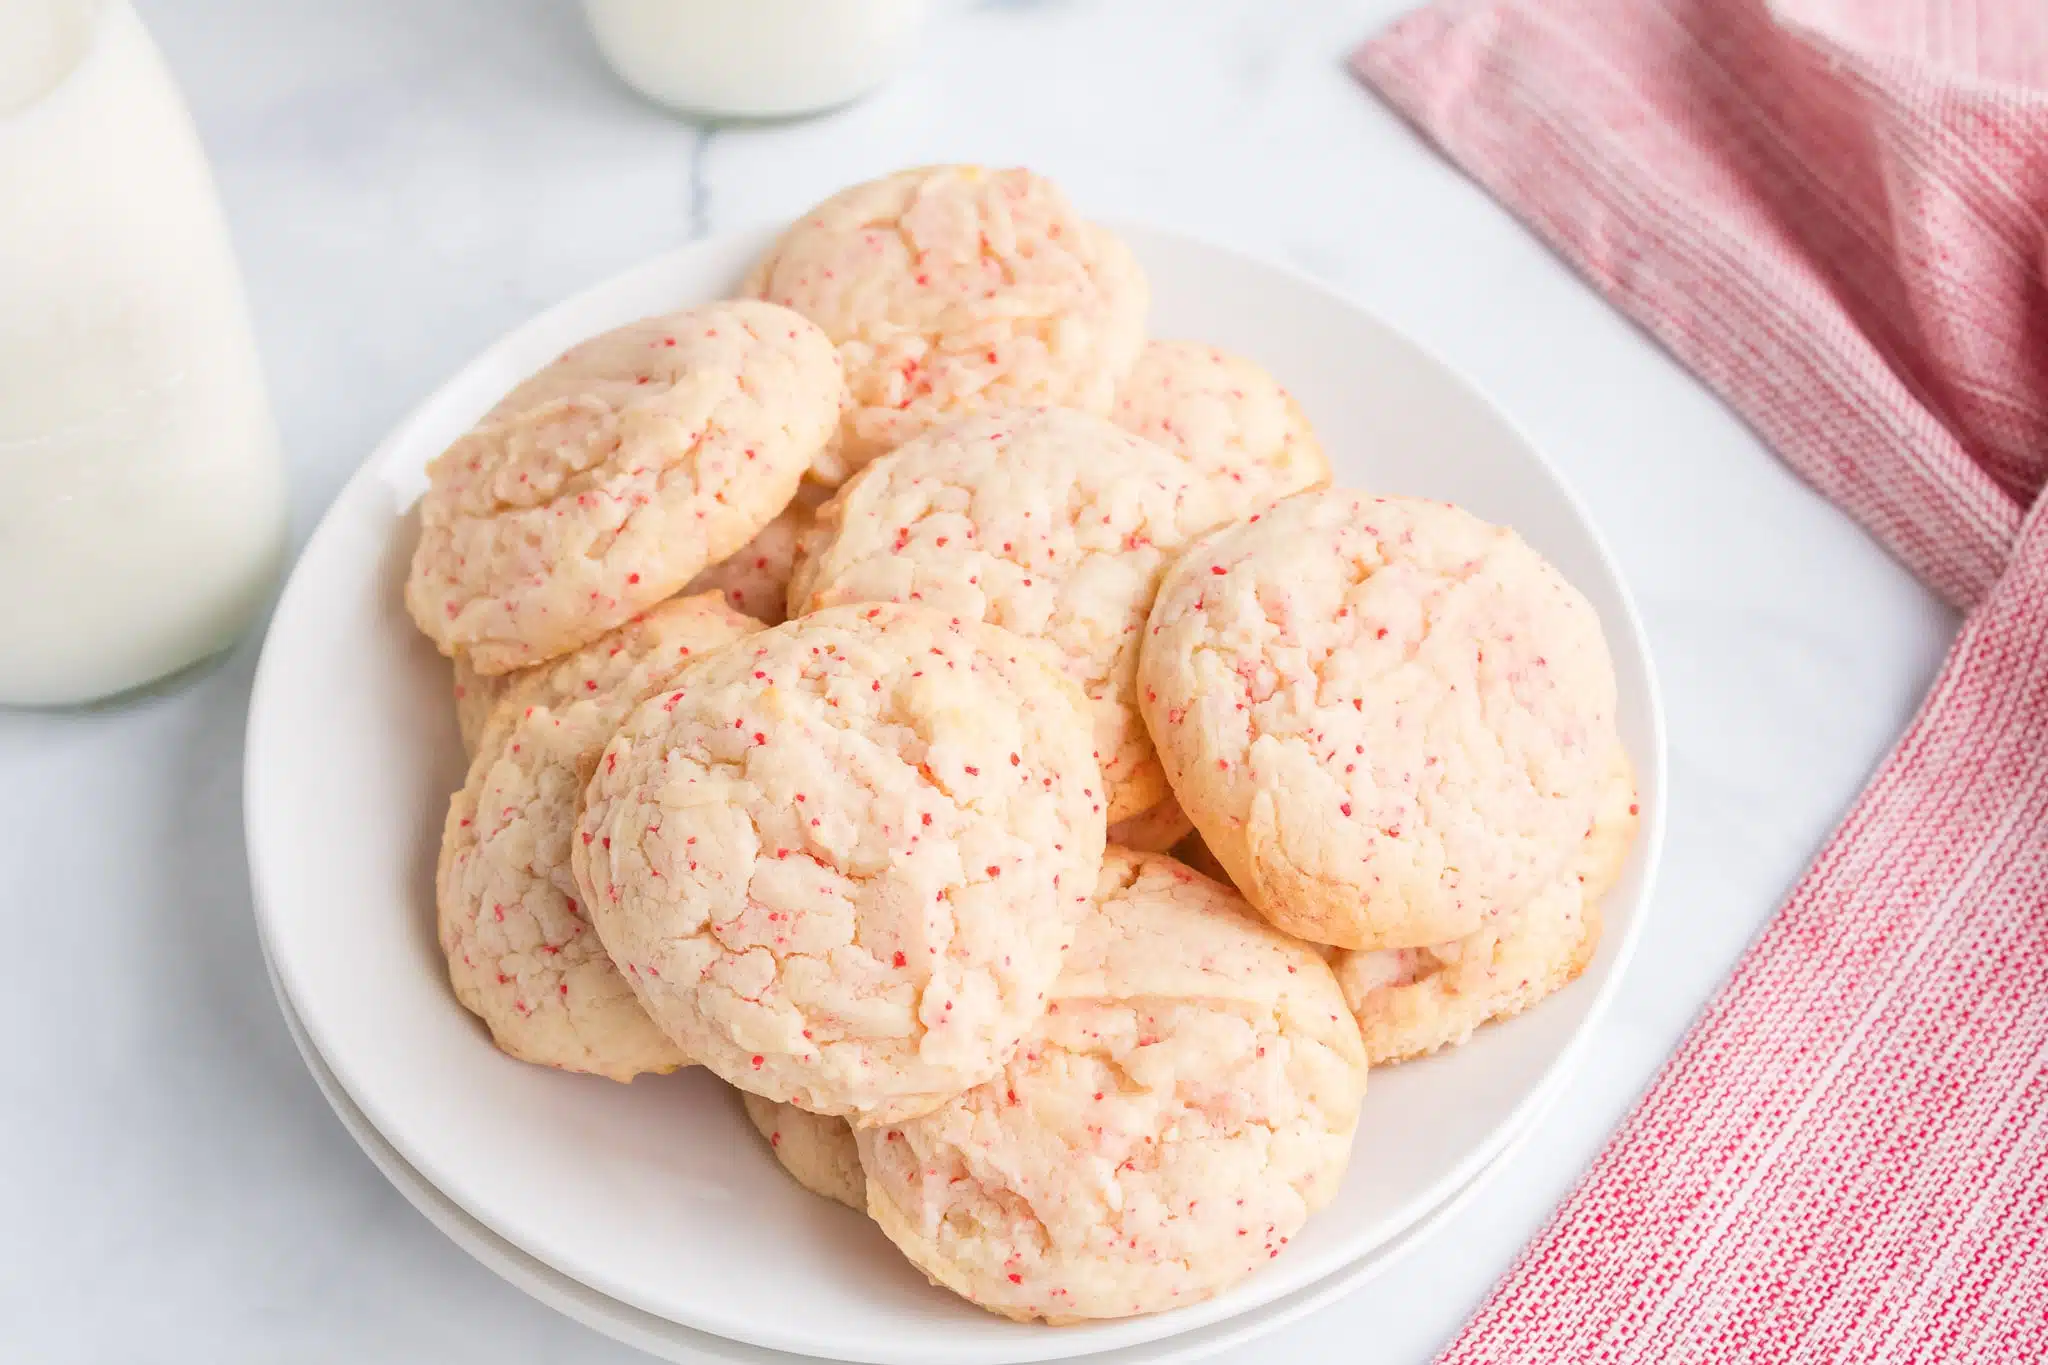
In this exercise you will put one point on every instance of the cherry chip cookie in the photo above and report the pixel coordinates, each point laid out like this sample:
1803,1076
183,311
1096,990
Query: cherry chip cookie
1186,1103
954,288
1388,719
840,863
609,479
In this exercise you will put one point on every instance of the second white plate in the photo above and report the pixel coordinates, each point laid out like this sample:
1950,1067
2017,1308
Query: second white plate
684,1346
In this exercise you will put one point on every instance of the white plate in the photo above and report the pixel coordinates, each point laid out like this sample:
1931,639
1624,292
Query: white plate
672,1342
658,1194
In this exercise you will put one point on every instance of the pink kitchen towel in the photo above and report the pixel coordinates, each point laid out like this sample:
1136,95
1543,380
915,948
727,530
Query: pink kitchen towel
1836,213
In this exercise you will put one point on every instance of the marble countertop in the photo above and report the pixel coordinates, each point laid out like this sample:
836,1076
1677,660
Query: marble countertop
405,180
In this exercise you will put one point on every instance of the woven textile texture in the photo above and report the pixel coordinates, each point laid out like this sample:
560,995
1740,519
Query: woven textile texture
1836,213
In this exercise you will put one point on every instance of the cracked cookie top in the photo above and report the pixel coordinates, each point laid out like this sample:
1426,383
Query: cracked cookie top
840,864
1187,1101
604,483
953,288
1044,521
1388,718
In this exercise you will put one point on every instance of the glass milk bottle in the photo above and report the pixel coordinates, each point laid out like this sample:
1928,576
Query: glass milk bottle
142,512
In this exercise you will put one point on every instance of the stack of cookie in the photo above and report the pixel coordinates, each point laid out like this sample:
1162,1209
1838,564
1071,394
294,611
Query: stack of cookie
838,663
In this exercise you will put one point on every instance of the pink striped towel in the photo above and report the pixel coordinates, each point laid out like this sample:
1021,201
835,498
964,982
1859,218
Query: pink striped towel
1835,212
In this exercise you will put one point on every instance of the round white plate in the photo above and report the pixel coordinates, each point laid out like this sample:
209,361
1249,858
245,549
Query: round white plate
672,1342
658,1194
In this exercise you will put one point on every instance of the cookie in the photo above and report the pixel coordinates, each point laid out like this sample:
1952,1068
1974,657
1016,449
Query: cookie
520,949
1153,831
612,477
475,696
1186,1103
1413,1001
1388,719
1048,522
953,288
840,863
817,1151
1225,416
755,578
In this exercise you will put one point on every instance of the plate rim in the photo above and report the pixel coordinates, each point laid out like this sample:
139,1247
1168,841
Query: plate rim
1417,1209
661,1337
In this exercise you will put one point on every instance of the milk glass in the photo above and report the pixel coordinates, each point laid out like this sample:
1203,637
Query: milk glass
755,58
142,512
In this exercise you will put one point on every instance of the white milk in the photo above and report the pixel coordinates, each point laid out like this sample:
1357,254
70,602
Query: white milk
141,493
755,58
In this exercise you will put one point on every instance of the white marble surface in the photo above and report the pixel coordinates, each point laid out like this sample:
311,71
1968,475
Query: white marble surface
407,178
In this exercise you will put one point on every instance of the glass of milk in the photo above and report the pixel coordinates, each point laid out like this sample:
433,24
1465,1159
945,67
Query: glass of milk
755,58
142,511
